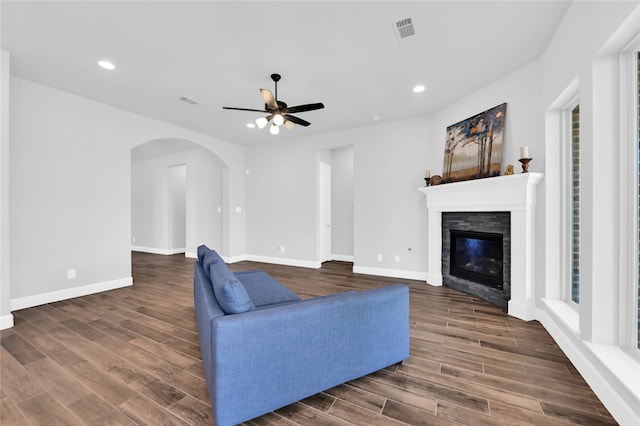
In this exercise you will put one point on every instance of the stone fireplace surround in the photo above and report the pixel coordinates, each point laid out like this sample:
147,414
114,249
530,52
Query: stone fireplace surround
515,194
489,222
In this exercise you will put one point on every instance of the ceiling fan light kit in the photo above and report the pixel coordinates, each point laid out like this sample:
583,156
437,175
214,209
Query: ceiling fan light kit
261,122
278,112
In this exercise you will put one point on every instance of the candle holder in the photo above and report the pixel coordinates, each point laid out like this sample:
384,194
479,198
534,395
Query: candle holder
427,181
525,164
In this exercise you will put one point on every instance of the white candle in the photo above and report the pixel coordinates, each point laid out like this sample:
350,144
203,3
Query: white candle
427,173
524,152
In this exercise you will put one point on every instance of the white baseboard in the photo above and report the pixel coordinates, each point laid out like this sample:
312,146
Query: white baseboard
433,279
6,321
68,293
521,311
234,259
342,257
191,255
608,370
284,261
393,273
151,250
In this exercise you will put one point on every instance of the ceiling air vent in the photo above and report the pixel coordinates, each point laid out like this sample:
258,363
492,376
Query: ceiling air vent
404,28
188,100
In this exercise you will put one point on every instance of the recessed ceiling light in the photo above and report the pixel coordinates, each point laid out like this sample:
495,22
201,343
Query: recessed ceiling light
376,118
251,125
107,65
419,88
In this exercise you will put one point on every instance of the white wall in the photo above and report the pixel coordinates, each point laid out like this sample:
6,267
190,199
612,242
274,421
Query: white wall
6,319
388,166
150,186
70,192
206,211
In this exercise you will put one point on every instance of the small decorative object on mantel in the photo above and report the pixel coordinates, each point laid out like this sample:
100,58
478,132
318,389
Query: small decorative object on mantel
524,158
436,180
427,177
509,170
525,164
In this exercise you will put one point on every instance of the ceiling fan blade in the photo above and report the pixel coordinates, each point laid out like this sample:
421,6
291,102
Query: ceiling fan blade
296,120
245,109
269,100
303,108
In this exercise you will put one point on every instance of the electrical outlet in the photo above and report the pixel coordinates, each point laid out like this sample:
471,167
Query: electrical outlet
281,248
379,258
396,259
71,274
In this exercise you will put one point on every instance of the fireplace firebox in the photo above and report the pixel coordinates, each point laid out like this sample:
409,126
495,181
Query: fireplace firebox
477,256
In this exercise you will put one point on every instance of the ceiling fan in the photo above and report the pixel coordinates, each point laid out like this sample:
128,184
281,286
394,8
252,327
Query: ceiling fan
278,111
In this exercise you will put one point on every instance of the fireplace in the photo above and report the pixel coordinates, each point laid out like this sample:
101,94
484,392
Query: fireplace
513,195
477,256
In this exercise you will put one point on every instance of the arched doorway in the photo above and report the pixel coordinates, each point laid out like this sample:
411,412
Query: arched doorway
178,193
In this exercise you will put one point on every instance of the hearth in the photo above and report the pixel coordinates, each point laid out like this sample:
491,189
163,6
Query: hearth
476,254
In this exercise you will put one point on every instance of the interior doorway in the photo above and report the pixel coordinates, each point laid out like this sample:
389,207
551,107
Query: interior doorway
324,198
177,208
335,228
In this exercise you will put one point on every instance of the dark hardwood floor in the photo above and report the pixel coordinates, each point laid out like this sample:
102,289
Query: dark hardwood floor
131,356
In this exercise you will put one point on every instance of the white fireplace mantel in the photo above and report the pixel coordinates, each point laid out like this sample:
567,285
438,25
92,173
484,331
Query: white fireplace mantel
515,194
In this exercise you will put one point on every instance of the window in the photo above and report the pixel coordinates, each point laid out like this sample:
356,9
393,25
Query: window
575,204
637,283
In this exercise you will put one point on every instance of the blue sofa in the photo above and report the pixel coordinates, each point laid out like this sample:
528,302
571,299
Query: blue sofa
264,348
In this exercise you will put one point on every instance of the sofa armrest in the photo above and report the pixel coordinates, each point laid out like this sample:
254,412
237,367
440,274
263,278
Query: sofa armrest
269,358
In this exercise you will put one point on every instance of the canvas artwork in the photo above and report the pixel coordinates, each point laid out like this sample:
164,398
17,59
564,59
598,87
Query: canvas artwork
473,148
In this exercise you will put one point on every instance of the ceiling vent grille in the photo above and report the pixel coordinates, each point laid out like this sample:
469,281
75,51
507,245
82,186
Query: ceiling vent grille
404,28
188,100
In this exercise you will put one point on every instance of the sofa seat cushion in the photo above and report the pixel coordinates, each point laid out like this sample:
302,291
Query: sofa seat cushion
230,293
264,290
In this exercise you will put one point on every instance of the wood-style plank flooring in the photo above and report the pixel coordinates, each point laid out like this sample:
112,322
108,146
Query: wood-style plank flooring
131,356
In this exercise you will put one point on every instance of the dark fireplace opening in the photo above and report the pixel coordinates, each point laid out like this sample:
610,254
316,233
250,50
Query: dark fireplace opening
477,256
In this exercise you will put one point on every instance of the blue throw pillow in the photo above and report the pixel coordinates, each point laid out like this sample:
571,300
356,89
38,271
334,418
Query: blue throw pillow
209,259
202,251
230,293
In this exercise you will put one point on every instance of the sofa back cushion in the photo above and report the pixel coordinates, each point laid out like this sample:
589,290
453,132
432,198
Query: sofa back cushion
230,293
209,258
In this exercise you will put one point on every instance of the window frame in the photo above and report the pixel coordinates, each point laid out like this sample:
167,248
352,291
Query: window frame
567,199
629,214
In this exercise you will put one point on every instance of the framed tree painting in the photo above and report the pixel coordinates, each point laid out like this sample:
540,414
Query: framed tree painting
473,148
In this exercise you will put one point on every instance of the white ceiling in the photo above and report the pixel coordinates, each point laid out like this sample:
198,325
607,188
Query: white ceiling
342,53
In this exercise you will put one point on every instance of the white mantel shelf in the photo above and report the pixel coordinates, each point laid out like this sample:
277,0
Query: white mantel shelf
515,194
